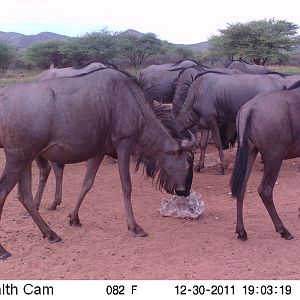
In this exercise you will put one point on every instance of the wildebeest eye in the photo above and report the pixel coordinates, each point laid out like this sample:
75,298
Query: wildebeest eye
176,152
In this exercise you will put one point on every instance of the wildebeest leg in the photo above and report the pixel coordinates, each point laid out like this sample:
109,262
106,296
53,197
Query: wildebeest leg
240,229
123,152
10,176
44,169
92,168
27,200
213,125
271,170
58,170
202,146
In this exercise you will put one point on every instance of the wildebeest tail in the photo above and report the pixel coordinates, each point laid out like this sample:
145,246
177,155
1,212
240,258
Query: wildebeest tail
240,165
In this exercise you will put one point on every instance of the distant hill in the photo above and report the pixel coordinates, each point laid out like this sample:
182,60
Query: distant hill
196,47
22,41
131,32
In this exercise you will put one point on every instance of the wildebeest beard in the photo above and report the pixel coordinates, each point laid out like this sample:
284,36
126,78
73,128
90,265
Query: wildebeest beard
151,166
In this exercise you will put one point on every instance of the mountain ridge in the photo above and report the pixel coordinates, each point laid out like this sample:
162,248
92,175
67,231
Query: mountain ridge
23,41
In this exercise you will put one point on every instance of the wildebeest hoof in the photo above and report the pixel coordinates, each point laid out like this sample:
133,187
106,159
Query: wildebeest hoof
51,207
139,231
54,238
74,221
26,215
242,236
5,255
220,172
197,169
286,235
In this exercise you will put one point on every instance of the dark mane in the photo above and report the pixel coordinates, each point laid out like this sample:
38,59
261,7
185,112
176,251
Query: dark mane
277,73
127,74
182,60
151,167
164,114
245,62
78,67
86,73
209,72
110,67
294,86
199,68
184,90
186,85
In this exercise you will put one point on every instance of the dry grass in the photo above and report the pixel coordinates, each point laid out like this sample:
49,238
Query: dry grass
10,77
286,69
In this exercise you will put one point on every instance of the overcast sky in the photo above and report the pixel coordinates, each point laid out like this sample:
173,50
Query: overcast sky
176,21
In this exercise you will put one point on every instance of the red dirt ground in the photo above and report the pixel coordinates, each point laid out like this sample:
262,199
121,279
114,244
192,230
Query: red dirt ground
103,248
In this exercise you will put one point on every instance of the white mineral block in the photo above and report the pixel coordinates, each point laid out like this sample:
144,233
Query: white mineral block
190,207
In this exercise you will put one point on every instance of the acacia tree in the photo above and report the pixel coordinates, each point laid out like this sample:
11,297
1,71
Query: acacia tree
7,54
44,54
100,45
137,48
73,51
255,40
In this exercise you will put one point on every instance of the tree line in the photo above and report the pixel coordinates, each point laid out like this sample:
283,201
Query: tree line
124,50
261,42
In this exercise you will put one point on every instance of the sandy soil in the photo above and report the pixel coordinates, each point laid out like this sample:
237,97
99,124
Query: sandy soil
103,248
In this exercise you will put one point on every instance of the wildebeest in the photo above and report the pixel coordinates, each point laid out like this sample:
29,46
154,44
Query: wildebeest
268,124
287,80
249,68
58,169
68,120
216,99
185,79
70,71
159,81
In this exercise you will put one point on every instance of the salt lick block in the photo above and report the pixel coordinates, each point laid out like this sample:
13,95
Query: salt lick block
190,207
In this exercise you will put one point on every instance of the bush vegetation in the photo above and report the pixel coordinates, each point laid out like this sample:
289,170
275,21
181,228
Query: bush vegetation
266,41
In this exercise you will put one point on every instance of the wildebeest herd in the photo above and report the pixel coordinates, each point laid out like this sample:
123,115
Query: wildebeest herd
84,113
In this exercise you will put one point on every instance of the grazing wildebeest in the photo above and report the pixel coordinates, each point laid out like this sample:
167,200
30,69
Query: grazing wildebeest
58,169
68,120
187,76
185,79
216,99
249,68
268,124
159,81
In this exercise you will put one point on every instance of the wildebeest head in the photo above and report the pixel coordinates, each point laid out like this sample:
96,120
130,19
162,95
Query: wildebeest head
173,165
176,172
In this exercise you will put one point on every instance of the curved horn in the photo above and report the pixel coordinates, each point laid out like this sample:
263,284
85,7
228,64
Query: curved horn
188,145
